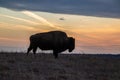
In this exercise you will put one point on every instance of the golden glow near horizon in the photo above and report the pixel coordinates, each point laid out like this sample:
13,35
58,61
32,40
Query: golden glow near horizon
17,26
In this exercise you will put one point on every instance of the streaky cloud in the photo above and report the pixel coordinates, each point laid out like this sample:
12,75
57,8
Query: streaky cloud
99,8
43,20
20,19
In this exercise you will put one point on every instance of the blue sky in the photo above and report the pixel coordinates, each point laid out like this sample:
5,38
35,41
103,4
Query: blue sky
101,8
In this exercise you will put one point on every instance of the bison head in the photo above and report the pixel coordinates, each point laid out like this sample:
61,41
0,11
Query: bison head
71,44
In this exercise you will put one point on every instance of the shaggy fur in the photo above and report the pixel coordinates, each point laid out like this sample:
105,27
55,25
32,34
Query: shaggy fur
57,41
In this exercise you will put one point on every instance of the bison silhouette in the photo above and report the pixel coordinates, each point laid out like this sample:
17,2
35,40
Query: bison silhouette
58,41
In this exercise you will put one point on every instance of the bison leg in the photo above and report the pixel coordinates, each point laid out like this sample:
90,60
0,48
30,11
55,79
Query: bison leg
34,50
29,49
55,53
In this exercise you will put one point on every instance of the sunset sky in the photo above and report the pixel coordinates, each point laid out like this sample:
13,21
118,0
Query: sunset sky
95,24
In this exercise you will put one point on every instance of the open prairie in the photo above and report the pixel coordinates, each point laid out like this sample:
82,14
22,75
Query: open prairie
18,66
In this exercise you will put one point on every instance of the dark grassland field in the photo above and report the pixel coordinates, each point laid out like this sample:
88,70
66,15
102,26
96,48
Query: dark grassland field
18,66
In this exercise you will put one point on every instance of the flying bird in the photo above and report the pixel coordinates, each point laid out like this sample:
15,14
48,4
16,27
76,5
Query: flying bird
61,18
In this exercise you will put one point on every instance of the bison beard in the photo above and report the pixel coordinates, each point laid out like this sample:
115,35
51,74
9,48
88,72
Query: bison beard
57,41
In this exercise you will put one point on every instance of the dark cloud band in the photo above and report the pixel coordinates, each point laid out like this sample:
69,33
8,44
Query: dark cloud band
101,8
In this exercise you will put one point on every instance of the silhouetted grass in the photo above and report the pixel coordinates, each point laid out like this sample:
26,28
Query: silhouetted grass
4,67
18,66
